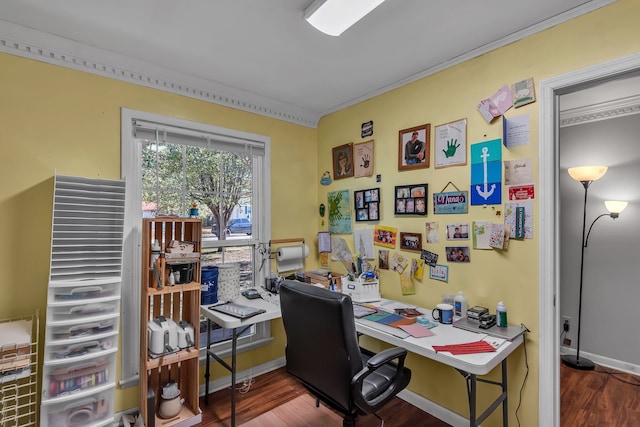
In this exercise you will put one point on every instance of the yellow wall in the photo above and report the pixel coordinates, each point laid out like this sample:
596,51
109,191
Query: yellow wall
452,94
54,119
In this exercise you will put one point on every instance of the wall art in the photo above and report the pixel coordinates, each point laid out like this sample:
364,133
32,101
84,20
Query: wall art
339,212
363,159
384,236
450,147
411,241
343,161
411,199
414,147
367,204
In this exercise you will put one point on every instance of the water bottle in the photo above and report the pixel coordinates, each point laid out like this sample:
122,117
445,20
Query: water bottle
460,305
501,315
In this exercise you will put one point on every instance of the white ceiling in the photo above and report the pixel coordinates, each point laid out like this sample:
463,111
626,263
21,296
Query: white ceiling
264,52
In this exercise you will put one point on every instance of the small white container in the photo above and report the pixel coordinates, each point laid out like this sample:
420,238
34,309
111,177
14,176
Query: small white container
460,305
361,290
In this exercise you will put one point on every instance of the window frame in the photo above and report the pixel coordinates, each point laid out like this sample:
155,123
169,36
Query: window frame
131,172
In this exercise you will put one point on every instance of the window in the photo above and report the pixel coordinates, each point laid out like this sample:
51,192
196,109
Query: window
170,165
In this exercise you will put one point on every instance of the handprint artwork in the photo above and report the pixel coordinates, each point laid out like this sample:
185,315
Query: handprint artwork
365,161
363,157
452,146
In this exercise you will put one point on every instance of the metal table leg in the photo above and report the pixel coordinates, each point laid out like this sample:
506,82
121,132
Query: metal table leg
206,374
472,382
232,368
234,341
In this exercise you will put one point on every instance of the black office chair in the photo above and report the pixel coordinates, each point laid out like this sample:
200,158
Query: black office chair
323,353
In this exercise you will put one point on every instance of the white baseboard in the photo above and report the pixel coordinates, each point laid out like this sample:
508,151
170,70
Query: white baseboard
607,362
440,412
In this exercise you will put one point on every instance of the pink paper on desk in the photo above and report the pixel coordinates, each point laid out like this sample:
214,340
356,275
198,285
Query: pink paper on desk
416,330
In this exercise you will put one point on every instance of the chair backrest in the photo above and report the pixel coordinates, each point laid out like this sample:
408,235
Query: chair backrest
322,344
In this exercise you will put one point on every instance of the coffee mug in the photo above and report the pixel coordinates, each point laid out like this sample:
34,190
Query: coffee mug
443,313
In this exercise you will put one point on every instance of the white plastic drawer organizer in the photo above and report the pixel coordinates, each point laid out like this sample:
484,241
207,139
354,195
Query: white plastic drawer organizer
83,303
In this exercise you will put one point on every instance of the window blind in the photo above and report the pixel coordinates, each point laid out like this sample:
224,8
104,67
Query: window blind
198,138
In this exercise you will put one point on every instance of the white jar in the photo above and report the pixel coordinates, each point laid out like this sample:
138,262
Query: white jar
460,305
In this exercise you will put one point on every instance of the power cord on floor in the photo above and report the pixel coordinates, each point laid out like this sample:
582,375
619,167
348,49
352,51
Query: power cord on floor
246,385
248,382
526,375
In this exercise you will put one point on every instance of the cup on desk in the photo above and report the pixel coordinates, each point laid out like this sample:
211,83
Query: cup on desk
443,313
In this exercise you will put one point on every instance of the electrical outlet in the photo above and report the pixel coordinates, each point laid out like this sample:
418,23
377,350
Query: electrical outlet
566,323
566,342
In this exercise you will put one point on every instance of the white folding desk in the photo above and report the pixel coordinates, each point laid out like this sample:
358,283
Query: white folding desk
237,326
469,365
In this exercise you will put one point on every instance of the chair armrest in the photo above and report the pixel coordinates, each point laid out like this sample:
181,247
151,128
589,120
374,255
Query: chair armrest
375,362
386,356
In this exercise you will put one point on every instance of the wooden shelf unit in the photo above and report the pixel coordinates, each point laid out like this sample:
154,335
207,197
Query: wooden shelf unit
176,302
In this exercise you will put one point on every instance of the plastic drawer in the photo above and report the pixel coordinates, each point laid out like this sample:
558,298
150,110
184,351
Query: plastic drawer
82,311
87,347
83,291
77,378
85,410
70,333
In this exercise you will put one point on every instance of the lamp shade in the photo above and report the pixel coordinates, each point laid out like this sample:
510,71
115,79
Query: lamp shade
333,17
587,173
615,206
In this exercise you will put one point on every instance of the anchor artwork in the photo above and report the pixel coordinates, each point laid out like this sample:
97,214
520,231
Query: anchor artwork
486,173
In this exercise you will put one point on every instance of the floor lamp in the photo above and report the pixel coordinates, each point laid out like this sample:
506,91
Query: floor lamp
586,175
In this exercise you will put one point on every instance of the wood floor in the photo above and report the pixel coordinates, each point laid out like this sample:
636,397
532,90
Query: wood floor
602,398
277,387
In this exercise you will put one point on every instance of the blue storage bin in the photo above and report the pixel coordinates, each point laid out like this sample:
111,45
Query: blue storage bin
209,293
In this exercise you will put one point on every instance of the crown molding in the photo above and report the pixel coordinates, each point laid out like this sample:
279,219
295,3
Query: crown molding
33,44
587,7
602,111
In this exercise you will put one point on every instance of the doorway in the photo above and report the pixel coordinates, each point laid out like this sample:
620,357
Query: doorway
549,252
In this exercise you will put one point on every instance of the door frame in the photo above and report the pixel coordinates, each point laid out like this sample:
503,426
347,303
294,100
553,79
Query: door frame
548,222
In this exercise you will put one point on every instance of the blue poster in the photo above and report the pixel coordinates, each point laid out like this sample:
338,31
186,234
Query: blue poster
486,173
488,194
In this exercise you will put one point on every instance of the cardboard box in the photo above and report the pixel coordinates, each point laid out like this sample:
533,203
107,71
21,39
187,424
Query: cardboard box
318,276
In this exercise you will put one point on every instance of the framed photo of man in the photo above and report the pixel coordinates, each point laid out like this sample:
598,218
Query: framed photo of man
414,147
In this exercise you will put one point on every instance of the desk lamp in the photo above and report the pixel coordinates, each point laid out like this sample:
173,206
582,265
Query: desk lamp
586,175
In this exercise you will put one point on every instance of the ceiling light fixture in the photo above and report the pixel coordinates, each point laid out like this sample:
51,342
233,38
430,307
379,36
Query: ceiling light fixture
333,17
